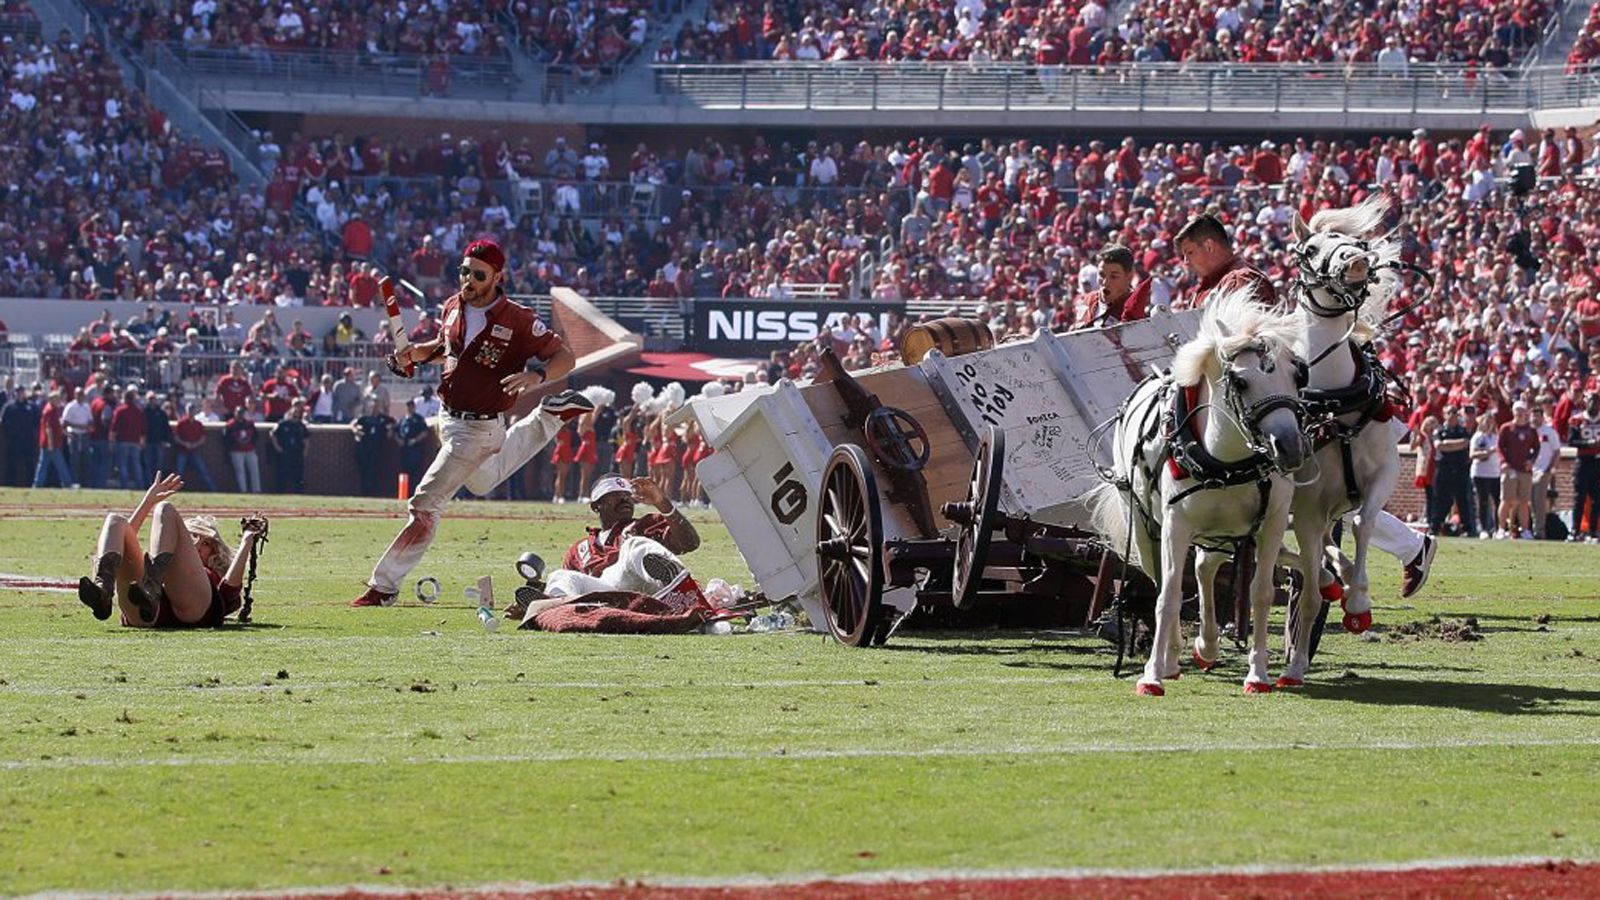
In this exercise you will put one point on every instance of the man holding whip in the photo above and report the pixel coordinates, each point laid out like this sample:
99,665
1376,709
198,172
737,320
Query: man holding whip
493,350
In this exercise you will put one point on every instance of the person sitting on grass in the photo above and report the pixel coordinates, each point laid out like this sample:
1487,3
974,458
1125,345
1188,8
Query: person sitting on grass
627,553
188,579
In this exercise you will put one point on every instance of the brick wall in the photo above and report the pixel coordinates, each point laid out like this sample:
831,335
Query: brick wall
1410,504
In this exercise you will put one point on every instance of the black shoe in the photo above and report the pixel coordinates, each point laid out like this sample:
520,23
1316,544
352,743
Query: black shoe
661,568
524,595
567,405
154,568
141,600
97,594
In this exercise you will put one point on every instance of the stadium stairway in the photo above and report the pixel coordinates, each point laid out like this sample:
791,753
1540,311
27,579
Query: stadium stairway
55,15
1557,43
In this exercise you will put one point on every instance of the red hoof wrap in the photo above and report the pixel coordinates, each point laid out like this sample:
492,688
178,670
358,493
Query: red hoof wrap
1149,690
1201,664
1356,623
1285,681
1333,591
1257,687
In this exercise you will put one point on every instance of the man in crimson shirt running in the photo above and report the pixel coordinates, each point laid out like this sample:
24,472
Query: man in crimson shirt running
487,343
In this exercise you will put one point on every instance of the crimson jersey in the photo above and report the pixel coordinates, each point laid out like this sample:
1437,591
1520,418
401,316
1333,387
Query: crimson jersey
1584,435
1236,274
512,335
591,554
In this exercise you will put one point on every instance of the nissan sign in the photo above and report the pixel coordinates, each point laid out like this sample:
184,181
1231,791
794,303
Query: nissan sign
749,327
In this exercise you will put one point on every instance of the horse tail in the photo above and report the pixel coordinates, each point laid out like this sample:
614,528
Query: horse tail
1109,505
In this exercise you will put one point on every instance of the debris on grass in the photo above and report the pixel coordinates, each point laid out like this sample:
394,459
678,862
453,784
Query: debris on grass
1436,628
125,718
1543,619
423,687
282,674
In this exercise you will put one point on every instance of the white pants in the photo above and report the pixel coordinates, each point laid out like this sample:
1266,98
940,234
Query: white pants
626,574
1389,534
246,471
526,437
464,445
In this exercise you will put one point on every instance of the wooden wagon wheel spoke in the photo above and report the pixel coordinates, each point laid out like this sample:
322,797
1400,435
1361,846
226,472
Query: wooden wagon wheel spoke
850,548
983,499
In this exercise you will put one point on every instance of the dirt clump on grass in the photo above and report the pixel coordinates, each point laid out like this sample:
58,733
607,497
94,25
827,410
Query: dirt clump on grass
1452,631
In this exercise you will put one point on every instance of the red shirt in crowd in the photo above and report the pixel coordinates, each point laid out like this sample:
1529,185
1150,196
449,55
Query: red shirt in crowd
592,553
239,436
276,394
127,424
52,436
189,432
512,334
100,419
1519,445
234,391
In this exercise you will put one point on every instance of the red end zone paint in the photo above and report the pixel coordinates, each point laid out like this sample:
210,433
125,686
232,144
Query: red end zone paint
1547,880
35,583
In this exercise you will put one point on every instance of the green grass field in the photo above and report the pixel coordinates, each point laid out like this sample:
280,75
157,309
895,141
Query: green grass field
330,746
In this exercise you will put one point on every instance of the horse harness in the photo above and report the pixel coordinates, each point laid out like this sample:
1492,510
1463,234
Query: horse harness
1367,397
1185,456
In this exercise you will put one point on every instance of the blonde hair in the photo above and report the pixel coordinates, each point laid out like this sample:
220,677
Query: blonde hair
204,528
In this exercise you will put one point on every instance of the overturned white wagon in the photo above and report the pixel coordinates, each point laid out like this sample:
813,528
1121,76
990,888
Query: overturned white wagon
952,481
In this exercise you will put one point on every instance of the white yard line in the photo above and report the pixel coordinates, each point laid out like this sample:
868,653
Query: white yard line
884,877
753,753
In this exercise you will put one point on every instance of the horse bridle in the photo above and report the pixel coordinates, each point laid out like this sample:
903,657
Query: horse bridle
1249,416
1348,296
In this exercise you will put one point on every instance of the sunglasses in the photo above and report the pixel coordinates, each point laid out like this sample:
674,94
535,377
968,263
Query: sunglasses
477,274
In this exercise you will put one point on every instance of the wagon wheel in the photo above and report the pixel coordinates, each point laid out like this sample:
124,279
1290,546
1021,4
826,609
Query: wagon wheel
896,439
850,547
977,518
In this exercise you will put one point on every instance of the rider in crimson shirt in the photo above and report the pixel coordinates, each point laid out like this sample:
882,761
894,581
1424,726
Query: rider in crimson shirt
1208,252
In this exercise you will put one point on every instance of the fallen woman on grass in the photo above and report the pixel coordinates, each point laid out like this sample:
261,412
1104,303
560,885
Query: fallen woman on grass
189,578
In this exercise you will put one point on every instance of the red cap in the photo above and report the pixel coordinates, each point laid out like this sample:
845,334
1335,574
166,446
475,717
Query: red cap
489,252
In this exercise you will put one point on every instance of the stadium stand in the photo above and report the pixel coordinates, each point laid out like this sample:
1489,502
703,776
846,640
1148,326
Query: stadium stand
392,26
1492,34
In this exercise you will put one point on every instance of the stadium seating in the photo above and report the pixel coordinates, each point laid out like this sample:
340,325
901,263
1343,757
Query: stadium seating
1490,33
389,26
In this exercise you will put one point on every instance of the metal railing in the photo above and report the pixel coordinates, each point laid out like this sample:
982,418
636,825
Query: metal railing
354,74
195,373
1163,87
20,27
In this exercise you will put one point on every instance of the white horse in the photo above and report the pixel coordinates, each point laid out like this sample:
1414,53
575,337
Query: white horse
1347,277
1202,457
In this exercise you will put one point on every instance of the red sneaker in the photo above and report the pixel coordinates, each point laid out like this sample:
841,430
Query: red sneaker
373,597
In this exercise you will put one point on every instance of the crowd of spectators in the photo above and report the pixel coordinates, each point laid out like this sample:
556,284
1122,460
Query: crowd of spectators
1486,33
435,27
1586,48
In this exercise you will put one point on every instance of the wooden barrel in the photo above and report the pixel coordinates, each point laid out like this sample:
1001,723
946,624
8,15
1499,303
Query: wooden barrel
952,337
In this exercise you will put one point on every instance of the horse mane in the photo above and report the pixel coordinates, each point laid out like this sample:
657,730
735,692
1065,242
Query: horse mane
1233,319
1364,221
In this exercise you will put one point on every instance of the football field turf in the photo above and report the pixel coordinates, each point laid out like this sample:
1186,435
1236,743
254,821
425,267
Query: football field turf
323,745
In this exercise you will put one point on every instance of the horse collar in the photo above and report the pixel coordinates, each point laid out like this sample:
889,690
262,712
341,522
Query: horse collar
1187,456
